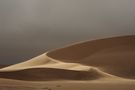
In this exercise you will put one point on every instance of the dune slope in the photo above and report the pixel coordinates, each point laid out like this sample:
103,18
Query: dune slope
45,74
52,71
91,60
112,55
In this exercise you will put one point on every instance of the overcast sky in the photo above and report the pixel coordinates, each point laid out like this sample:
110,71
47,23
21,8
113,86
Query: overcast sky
31,27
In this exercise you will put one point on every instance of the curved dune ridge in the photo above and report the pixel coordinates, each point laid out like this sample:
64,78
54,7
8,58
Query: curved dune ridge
111,58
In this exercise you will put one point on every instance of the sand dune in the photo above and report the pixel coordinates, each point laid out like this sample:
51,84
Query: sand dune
104,59
57,70
112,55
39,60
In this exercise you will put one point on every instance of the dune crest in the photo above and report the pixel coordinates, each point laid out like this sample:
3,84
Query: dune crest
91,60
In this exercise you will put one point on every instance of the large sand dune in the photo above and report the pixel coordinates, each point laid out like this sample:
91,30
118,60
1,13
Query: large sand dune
113,55
104,59
44,68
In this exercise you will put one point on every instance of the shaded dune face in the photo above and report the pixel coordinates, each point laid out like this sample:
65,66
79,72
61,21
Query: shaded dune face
43,68
44,74
115,56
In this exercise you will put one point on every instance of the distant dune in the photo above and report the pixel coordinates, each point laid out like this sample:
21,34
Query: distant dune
103,59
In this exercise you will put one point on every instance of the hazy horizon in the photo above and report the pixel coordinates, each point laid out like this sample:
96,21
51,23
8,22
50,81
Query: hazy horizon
31,27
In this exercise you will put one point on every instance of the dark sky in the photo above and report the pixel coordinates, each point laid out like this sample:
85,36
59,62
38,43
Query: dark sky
31,27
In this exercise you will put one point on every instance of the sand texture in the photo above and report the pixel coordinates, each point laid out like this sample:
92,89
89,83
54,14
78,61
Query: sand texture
104,64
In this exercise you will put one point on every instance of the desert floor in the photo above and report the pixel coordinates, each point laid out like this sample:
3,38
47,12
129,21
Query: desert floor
67,85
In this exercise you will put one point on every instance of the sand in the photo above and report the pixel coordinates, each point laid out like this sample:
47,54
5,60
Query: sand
104,64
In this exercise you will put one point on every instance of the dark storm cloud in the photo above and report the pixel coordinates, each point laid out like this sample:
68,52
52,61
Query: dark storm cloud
31,27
